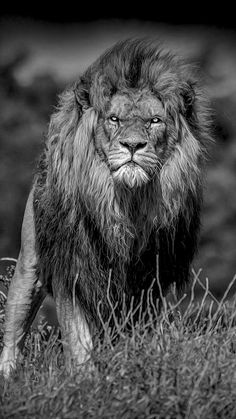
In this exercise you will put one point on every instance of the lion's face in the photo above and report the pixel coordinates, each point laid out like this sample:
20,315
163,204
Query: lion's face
131,137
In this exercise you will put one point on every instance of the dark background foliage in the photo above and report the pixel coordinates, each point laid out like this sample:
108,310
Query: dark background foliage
41,52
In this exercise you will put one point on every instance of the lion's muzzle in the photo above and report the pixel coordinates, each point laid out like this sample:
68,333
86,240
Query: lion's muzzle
131,162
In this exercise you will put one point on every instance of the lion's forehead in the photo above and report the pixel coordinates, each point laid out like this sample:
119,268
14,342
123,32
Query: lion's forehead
140,104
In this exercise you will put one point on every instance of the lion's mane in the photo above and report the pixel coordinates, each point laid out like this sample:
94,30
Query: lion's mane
86,229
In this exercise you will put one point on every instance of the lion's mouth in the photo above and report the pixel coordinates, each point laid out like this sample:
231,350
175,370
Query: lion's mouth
130,163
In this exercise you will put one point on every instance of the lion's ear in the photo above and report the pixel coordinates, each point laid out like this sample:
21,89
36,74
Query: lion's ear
82,96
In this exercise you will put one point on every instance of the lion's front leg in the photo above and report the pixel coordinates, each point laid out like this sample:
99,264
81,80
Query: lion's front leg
24,300
76,336
25,295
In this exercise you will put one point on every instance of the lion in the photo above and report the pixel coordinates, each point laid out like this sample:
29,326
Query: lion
119,183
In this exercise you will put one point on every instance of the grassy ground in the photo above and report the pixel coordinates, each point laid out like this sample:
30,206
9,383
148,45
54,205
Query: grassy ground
182,367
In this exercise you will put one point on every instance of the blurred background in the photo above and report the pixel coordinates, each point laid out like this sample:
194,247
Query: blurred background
41,52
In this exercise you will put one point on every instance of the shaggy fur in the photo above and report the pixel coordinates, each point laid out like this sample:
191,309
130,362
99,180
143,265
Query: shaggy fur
88,226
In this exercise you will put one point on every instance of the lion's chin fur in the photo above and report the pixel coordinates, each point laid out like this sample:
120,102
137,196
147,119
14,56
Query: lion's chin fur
131,175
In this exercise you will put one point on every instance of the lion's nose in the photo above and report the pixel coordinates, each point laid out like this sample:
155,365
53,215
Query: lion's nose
133,146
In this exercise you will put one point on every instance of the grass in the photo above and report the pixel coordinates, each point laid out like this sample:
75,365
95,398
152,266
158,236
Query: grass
182,366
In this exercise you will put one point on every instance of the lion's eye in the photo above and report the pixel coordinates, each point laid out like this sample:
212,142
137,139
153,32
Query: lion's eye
155,120
114,118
